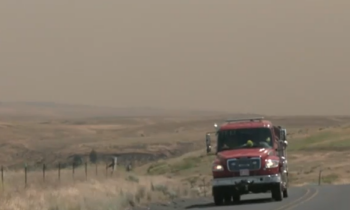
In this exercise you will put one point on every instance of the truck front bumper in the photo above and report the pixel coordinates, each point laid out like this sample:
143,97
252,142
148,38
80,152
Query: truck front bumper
246,184
265,179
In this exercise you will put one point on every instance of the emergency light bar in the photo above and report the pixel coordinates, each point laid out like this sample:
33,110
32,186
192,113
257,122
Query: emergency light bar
245,119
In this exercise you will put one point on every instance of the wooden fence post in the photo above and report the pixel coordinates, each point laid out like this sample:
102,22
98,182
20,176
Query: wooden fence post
44,169
320,177
73,169
59,172
2,177
115,160
96,168
25,175
85,169
106,169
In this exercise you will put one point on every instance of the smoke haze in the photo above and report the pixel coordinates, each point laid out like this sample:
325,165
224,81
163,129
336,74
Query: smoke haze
273,57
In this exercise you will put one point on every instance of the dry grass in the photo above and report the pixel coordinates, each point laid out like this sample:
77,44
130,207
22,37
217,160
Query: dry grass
53,141
310,151
315,143
118,191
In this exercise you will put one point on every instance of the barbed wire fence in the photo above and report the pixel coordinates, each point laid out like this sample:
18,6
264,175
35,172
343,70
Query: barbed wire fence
93,168
87,167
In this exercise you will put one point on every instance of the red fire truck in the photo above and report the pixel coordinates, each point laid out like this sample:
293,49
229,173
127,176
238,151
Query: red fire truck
250,158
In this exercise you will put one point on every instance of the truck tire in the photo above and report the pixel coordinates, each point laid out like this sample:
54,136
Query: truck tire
236,198
285,193
277,193
285,189
218,199
227,199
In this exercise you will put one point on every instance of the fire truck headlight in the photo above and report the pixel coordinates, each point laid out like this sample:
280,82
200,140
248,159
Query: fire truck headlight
217,167
271,163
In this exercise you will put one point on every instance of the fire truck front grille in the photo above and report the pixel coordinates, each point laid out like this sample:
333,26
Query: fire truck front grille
244,163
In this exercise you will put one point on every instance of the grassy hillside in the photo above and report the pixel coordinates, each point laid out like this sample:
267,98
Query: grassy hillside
169,150
309,151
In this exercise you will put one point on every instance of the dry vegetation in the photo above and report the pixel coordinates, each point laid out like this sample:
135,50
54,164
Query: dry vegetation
170,152
56,141
118,191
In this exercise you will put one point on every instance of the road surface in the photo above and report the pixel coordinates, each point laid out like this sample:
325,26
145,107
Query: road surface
328,197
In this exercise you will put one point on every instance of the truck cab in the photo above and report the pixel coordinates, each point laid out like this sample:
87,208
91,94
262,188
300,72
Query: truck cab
250,158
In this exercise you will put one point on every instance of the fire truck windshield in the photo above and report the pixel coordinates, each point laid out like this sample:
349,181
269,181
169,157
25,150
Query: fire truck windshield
244,138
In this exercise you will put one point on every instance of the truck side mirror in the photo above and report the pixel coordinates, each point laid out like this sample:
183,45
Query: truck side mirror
283,143
208,143
283,134
207,138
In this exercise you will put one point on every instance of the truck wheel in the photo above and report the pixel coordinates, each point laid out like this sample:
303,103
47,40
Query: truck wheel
227,199
277,193
218,199
236,198
285,193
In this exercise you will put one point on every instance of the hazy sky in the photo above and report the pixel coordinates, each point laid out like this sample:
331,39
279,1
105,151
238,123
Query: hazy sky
274,57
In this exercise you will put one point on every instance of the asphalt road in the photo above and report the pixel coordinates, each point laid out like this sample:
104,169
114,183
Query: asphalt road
300,198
